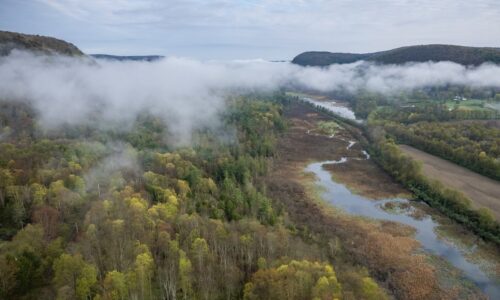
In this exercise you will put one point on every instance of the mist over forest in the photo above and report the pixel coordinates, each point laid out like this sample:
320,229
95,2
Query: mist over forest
189,94
264,149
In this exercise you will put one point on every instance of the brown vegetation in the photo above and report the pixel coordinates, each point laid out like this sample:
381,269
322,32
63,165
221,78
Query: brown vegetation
366,178
388,254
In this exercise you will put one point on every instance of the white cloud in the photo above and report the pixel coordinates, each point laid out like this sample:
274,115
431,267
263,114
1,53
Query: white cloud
282,28
188,93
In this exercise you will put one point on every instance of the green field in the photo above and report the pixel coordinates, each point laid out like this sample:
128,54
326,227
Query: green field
473,104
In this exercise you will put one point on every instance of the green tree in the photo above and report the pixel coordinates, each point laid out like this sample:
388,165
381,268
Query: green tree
72,273
115,286
144,268
185,275
296,280
8,271
29,274
371,291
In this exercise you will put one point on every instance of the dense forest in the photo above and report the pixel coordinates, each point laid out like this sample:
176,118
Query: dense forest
92,213
128,57
473,145
468,136
43,44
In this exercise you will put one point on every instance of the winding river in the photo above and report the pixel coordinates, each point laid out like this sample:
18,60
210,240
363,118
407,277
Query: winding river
340,196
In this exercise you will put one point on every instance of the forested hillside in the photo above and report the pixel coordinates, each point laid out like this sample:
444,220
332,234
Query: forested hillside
36,43
126,58
458,54
90,213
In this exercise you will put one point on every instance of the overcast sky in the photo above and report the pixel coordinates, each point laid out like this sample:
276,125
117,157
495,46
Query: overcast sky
244,29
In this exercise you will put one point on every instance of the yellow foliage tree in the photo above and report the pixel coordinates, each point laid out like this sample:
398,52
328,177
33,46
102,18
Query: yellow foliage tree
295,280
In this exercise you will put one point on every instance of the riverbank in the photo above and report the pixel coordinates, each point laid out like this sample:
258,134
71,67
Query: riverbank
386,249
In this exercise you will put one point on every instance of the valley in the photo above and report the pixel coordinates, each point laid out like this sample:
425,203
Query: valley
398,224
370,176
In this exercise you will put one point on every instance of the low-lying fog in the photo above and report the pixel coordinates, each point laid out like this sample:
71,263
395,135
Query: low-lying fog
187,93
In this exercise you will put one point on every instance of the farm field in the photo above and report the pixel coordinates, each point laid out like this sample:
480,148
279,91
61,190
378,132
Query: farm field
483,192
473,104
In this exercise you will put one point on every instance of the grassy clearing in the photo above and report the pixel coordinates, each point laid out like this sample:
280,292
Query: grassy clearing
365,178
469,105
316,97
328,127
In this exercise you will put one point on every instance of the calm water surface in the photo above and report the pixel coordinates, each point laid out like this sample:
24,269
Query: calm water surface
340,196
334,107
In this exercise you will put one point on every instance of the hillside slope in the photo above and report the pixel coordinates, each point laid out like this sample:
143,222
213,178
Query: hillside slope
37,43
458,54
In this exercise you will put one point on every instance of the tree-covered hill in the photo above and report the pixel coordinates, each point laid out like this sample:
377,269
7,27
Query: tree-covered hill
38,43
128,57
422,53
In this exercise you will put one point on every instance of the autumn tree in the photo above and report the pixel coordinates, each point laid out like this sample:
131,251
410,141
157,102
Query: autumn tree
295,280
73,274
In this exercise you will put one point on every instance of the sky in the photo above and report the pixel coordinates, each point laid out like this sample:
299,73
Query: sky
249,29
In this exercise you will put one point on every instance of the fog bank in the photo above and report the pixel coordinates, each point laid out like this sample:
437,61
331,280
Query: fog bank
188,94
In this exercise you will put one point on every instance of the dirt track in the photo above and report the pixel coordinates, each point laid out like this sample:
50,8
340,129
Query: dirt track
483,192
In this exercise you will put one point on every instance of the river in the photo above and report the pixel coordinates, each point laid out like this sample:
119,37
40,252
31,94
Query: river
339,108
340,196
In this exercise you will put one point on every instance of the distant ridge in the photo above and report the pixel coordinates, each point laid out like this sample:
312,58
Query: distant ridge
132,57
37,43
423,53
49,45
